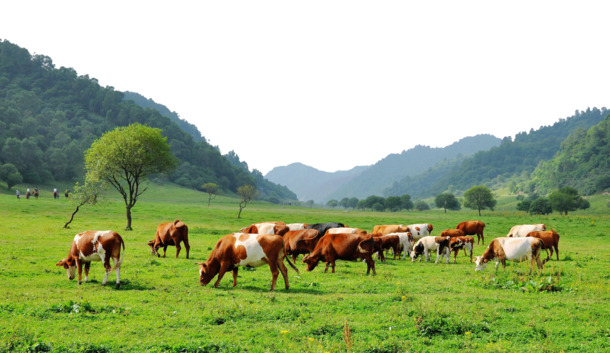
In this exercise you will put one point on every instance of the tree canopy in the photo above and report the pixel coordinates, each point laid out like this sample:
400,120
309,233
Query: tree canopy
479,198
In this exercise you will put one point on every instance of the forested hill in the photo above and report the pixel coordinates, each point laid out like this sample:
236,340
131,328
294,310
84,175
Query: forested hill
49,116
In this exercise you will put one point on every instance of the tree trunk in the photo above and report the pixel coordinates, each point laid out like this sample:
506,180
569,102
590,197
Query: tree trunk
73,213
128,209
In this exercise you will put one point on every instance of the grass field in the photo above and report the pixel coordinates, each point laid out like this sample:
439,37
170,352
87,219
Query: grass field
406,307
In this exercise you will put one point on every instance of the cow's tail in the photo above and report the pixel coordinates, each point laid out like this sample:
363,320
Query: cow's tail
118,264
288,259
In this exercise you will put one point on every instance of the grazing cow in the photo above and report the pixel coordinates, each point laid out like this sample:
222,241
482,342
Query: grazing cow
345,230
452,233
384,229
428,244
472,228
323,227
250,250
277,228
332,247
513,249
172,233
419,231
457,243
388,241
296,226
523,229
94,246
405,243
550,241
301,241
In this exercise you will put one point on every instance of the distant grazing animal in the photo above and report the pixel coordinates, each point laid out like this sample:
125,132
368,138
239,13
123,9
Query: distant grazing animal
457,243
523,229
94,246
301,241
332,247
250,250
429,244
419,231
172,233
323,227
452,233
277,228
346,230
472,228
384,229
512,249
550,241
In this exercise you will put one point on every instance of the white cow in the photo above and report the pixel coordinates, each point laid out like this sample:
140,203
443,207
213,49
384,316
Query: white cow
523,229
345,230
419,231
296,226
428,244
405,240
512,249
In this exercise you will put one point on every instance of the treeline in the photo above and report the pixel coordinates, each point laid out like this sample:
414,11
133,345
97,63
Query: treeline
50,116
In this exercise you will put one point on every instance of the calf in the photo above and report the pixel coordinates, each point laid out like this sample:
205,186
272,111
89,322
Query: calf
419,231
428,244
332,247
405,243
250,250
94,246
172,233
472,228
523,229
300,242
386,242
550,241
457,243
513,249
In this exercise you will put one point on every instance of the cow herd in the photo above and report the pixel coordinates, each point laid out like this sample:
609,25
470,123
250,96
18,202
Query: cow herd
272,242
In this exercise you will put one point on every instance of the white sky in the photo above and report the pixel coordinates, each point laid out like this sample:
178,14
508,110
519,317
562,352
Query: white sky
334,84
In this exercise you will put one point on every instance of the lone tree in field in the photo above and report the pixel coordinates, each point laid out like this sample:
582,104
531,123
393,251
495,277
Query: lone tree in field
212,190
567,199
86,194
125,157
447,201
479,198
247,193
10,174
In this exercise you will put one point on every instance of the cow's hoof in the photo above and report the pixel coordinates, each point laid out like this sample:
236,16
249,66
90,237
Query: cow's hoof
118,285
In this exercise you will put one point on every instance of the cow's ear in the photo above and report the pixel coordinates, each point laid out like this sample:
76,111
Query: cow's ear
61,262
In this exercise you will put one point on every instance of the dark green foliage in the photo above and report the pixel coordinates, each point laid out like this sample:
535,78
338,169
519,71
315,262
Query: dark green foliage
540,206
421,205
567,199
479,198
447,201
10,175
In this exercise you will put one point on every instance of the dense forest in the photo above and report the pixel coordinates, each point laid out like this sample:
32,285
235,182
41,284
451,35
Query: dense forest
514,159
49,116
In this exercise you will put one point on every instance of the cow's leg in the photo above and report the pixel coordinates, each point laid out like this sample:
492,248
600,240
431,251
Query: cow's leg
178,248
284,272
221,273
556,250
274,273
117,270
164,249
106,263
327,264
87,265
79,267
235,275
187,246
370,264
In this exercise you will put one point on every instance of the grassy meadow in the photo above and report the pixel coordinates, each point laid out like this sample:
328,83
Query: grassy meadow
406,307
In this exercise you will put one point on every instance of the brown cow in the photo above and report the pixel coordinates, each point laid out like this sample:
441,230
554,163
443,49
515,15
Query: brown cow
472,228
332,247
300,242
550,240
457,243
384,229
452,233
172,233
94,246
386,242
277,228
250,250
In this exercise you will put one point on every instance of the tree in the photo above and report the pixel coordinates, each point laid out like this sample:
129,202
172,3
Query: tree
479,198
540,206
86,194
247,193
393,203
125,157
447,201
332,203
212,190
567,199
10,174
353,202
407,204
421,205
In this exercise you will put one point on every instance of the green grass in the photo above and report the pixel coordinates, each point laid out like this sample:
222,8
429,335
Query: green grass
420,307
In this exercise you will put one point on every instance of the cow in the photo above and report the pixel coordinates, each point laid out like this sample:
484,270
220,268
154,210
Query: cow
472,228
277,228
172,233
345,230
323,227
332,247
550,241
523,229
301,241
296,226
94,245
384,229
452,233
388,241
428,244
457,243
419,231
405,243
243,249
513,249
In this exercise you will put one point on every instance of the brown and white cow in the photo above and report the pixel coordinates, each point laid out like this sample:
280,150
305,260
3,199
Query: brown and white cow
94,246
472,228
277,228
243,249
172,233
420,230
550,241
512,249
301,241
523,229
426,245
457,243
332,247
296,226
384,229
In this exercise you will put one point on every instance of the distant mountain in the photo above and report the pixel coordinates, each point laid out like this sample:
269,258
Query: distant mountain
310,183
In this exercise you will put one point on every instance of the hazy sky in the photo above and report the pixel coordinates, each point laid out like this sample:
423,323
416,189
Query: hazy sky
334,84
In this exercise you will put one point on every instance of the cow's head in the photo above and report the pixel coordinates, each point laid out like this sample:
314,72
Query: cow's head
70,266
311,262
205,275
480,263
153,251
417,250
